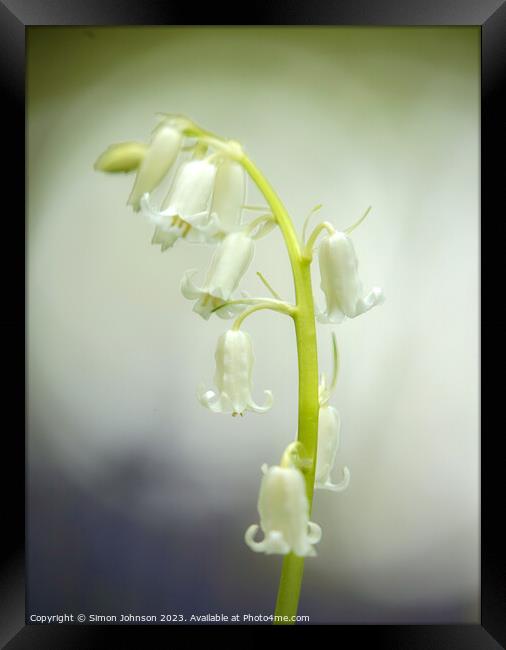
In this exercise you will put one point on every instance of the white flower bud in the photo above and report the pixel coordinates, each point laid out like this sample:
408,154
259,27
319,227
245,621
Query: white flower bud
229,263
160,155
340,282
283,507
234,365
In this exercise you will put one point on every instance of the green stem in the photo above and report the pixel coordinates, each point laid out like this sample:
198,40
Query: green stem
305,331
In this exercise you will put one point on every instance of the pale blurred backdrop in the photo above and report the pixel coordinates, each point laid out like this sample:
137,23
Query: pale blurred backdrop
138,496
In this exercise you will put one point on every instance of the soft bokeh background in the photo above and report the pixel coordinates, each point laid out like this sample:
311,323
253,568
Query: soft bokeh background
139,497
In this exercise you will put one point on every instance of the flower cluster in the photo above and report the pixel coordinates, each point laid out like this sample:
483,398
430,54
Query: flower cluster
204,205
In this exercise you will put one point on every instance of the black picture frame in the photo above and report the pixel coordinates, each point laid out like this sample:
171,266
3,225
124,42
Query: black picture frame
15,17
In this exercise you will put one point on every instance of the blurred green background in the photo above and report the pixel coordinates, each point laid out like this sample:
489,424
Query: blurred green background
139,497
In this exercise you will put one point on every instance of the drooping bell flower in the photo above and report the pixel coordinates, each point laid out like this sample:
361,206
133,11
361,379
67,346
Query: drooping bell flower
229,263
234,365
329,425
340,281
229,195
161,153
284,515
185,210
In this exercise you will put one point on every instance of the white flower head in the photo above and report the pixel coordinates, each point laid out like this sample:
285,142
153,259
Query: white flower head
161,153
185,211
283,507
229,263
234,365
329,425
340,281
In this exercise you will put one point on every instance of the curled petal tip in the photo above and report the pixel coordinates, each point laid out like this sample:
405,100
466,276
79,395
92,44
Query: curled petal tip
209,399
268,403
337,487
346,479
314,533
249,538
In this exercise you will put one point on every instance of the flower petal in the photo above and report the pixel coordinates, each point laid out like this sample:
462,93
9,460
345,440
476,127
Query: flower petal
339,487
204,229
335,316
206,305
215,402
314,534
249,536
156,217
373,298
229,194
164,239
210,399
262,409
188,288
275,543
160,155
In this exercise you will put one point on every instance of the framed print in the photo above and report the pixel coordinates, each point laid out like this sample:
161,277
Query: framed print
252,323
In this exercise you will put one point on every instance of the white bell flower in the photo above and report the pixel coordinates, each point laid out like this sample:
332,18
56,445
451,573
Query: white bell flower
229,263
157,160
283,507
186,212
329,425
340,282
234,364
229,195
186,209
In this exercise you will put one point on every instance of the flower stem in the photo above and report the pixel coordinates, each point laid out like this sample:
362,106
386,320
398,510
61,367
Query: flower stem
305,331
308,249
275,305
268,285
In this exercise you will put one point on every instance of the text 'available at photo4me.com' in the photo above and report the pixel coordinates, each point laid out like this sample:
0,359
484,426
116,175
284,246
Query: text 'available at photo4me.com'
126,618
